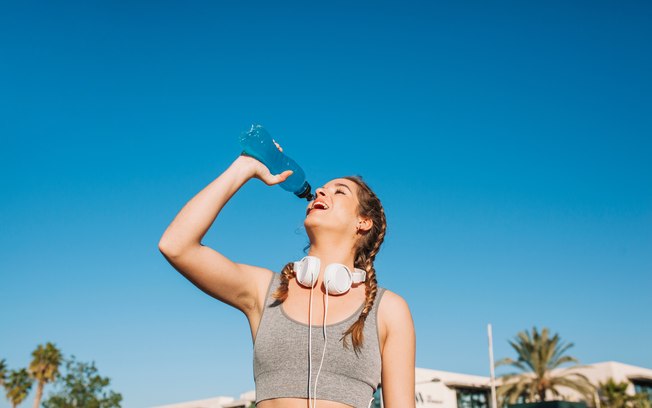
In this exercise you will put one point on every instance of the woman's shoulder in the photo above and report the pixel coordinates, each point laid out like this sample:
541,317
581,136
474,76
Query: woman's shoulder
392,299
393,309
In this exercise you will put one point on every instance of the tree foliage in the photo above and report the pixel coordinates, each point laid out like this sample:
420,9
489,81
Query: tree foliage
614,395
82,386
539,354
3,371
17,386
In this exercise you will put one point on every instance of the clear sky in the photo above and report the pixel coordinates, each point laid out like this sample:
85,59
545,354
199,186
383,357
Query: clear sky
509,142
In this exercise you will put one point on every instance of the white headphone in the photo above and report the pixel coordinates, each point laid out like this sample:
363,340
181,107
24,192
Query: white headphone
338,278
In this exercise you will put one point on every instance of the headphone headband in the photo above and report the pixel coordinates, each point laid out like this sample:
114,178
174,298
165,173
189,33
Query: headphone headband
359,275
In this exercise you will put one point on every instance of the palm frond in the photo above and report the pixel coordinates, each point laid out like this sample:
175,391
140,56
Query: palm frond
578,384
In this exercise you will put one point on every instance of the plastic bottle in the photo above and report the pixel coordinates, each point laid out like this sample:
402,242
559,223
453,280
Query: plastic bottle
258,144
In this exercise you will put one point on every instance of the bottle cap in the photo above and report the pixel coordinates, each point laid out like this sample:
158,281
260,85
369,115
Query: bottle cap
305,192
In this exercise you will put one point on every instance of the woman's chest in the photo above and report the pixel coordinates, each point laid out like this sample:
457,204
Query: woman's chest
319,309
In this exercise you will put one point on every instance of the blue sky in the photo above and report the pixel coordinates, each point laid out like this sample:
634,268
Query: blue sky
509,143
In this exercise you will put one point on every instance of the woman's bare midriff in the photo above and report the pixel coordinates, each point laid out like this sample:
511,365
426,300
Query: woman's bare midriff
298,403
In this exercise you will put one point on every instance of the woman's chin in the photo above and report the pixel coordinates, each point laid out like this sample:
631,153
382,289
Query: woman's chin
314,224
309,223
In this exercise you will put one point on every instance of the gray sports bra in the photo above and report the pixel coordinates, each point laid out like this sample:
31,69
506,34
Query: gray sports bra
281,356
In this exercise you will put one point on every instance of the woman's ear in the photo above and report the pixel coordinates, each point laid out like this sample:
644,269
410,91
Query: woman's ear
364,224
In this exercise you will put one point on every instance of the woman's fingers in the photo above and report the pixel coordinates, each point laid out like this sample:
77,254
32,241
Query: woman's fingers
278,178
263,173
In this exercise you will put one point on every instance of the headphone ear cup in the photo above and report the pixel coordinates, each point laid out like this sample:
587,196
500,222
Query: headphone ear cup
307,270
337,279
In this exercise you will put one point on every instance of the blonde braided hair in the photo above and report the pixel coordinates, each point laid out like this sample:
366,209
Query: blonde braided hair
367,247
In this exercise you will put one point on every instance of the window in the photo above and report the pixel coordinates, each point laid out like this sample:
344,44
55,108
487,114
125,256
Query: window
472,398
641,387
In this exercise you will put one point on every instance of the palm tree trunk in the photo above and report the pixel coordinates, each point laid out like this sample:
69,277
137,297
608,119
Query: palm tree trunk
39,394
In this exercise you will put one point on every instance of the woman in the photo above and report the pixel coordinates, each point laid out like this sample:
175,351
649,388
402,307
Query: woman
299,362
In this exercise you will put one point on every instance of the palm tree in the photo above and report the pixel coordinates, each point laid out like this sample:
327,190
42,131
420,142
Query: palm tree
538,355
3,371
614,395
17,386
44,368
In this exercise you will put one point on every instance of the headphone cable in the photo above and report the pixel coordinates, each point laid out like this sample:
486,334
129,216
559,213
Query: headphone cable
310,346
314,395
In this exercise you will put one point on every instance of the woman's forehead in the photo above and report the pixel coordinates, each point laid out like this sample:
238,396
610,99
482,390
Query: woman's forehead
341,182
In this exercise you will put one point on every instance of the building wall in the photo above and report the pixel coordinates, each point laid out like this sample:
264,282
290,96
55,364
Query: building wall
435,388
601,372
443,391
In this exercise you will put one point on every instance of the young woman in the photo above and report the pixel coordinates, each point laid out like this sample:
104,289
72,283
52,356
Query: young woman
368,337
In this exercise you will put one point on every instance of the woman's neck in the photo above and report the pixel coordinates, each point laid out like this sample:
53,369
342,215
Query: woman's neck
330,253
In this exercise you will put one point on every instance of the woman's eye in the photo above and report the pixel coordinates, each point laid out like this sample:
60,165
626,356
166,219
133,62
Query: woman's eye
339,191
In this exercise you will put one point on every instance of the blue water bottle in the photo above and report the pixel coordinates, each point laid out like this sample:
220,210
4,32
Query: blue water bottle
258,144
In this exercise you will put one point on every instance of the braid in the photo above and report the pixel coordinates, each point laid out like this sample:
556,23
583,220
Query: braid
366,249
287,273
371,284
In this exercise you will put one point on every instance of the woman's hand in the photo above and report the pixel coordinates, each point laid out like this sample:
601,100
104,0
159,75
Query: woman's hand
260,171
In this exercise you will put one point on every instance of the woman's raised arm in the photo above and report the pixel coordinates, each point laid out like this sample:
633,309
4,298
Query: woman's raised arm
236,284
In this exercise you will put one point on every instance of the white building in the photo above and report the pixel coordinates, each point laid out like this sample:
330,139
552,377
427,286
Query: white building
446,389
244,401
639,378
